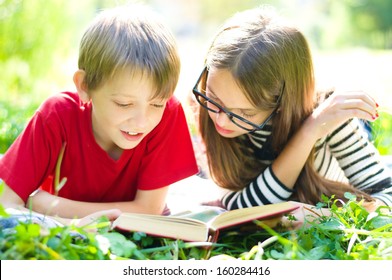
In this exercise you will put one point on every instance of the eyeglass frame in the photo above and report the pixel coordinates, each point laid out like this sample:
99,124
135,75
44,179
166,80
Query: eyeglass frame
232,115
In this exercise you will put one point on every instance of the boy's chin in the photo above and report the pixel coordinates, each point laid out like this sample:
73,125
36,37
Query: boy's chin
130,146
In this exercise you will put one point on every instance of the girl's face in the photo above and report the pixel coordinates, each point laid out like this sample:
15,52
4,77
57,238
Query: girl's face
223,89
123,113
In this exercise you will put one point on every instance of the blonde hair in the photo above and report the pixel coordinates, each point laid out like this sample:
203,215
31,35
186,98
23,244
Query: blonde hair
262,52
133,38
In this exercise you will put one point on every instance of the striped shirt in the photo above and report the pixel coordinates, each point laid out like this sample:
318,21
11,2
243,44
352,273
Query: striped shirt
345,155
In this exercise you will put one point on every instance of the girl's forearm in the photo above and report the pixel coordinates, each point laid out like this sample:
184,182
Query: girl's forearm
292,159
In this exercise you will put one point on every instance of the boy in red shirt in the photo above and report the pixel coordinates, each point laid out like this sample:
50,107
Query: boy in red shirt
125,135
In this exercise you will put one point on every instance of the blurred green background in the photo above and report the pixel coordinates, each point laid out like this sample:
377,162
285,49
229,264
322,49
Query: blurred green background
351,42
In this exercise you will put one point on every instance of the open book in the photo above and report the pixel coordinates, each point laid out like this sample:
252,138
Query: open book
203,225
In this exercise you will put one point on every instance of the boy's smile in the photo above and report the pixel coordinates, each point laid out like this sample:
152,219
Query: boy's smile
132,136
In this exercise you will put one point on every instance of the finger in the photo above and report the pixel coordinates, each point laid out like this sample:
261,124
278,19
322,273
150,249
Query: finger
111,214
364,110
114,214
360,95
292,224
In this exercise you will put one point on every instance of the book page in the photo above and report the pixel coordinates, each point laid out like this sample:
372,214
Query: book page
205,214
238,216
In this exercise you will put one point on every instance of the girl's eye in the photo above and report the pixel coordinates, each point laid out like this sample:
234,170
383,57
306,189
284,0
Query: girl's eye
245,115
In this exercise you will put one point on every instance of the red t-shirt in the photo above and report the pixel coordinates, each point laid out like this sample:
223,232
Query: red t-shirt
163,157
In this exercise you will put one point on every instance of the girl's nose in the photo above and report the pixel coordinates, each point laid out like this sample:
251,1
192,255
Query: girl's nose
222,119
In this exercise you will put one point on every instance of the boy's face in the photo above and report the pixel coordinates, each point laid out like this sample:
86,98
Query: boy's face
123,113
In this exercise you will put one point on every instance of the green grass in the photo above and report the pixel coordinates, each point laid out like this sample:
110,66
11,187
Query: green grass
348,233
13,118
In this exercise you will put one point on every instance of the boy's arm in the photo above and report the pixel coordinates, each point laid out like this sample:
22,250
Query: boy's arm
148,202
111,214
9,199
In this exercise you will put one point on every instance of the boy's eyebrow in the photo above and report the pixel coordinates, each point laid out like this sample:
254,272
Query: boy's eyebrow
119,94
158,99
129,96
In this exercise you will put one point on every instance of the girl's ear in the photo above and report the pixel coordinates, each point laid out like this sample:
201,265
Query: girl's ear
78,79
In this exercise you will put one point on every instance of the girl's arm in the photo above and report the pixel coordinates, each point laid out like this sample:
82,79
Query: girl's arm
333,112
361,161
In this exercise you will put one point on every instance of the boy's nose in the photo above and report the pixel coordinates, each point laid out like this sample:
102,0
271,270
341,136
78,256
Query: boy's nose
140,120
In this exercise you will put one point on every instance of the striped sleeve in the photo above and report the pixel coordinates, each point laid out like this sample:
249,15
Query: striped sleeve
360,161
385,196
265,189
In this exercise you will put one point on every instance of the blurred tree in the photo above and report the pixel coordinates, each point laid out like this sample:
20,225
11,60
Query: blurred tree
373,21
33,34
36,39
220,10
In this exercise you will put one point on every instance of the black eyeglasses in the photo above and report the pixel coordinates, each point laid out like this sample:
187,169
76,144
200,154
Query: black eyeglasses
212,106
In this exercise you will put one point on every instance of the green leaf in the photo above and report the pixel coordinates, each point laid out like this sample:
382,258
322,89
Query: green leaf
318,253
332,224
3,213
119,245
350,196
277,255
306,241
380,221
33,230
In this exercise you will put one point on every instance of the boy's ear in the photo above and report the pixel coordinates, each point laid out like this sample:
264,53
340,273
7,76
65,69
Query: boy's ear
78,79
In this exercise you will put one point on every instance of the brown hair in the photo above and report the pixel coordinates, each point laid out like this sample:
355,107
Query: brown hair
130,37
262,52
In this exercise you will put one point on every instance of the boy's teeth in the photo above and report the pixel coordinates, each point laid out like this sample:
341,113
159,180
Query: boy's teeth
131,133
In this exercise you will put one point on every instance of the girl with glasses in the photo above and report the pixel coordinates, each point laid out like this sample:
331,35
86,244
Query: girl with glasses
268,136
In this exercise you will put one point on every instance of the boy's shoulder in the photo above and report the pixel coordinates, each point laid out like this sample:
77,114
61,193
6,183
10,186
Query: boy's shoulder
64,108
63,98
173,108
173,103
60,102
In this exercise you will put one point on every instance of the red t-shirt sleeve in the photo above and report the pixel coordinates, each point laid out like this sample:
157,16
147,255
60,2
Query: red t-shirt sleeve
169,155
32,156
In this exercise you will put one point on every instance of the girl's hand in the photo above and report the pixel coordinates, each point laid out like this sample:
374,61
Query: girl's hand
340,107
373,206
304,213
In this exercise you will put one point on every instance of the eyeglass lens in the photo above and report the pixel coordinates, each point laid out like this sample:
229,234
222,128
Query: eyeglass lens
214,108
